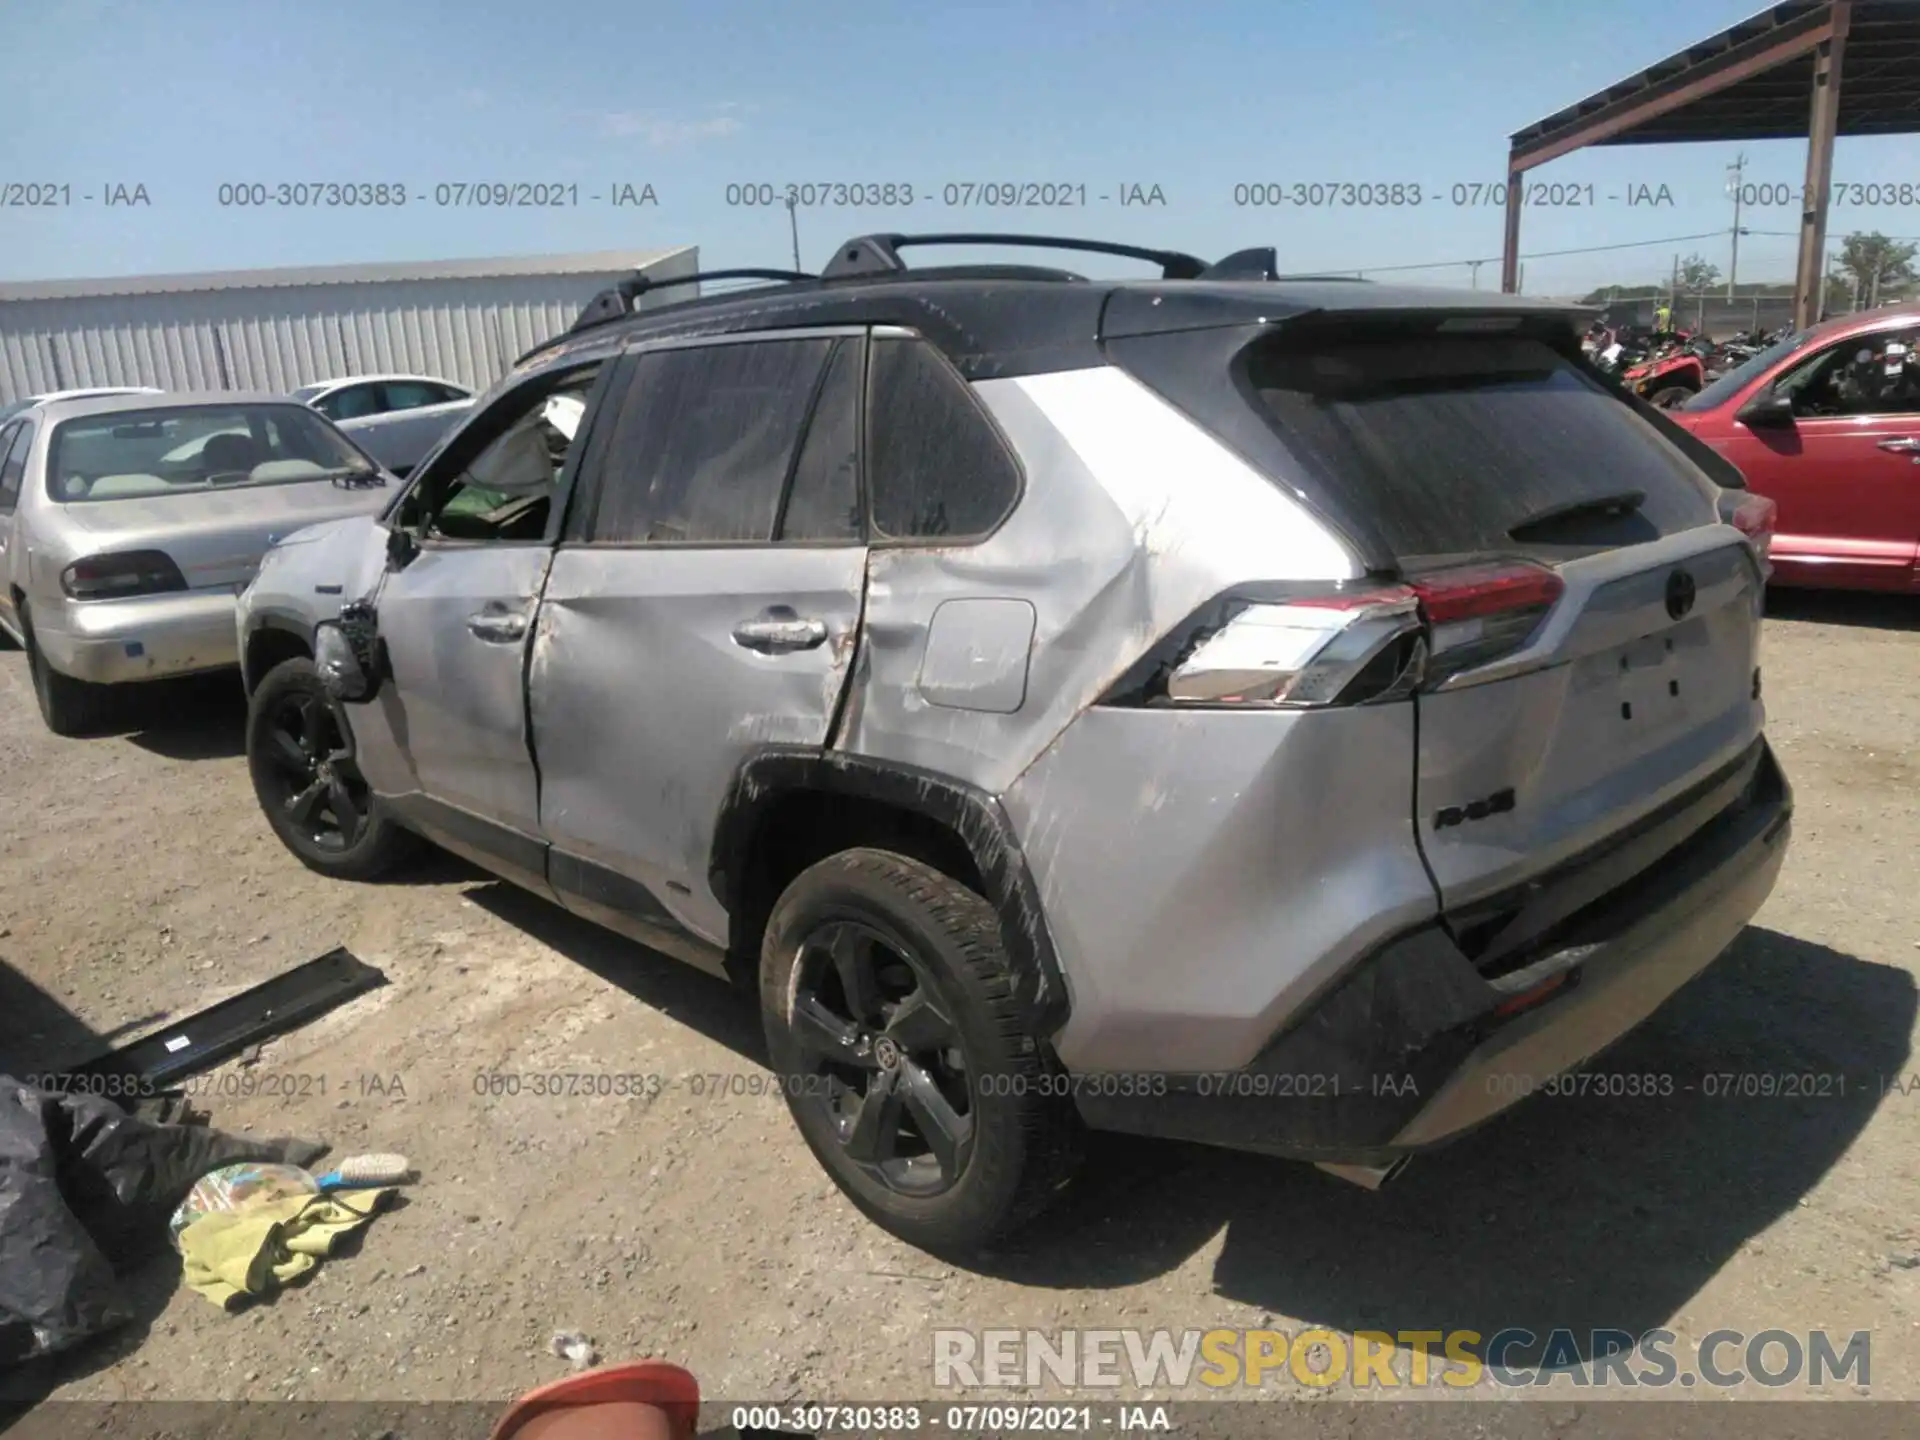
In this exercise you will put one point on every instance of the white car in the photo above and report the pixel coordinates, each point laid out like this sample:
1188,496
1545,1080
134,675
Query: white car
89,393
395,418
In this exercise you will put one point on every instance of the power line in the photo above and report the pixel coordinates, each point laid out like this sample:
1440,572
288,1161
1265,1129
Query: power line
1548,254
1587,250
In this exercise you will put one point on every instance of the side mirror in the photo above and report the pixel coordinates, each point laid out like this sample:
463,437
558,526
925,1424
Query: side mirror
1768,408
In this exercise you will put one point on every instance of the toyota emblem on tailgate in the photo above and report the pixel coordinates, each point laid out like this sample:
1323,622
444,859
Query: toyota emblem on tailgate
1680,593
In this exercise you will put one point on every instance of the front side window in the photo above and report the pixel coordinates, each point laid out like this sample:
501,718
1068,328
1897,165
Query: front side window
506,491
706,439
1876,374
133,453
937,466
1716,393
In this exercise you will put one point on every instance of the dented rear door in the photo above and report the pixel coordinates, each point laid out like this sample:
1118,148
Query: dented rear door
705,605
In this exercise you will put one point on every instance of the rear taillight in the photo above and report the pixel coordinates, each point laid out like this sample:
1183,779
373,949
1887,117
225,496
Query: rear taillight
130,572
1753,516
1478,613
1349,647
1314,650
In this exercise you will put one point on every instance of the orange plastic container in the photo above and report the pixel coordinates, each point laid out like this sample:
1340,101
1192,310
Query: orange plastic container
644,1400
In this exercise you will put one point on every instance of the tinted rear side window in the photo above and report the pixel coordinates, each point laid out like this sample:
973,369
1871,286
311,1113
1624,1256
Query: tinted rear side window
705,441
1454,442
937,466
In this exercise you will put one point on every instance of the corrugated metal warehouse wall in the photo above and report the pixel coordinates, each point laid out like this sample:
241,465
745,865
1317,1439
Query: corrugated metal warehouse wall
256,333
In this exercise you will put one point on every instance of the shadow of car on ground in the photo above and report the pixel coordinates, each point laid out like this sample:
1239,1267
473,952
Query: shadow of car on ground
1585,1211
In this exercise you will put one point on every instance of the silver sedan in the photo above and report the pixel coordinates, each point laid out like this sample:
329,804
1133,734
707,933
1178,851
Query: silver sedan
129,523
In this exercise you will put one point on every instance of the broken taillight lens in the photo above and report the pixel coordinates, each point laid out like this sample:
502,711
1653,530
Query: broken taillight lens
1346,646
1478,613
1311,651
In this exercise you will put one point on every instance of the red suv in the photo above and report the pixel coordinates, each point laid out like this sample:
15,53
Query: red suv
1826,424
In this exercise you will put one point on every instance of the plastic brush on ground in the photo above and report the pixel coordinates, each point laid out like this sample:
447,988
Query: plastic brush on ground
358,1172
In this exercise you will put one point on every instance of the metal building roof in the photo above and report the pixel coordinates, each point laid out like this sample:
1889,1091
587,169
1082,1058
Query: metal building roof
592,262
1751,82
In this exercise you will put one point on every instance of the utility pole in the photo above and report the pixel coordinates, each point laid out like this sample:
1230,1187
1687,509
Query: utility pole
1735,173
1476,264
793,223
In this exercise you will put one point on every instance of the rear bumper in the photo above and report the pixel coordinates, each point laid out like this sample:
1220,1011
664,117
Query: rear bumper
146,637
1409,1050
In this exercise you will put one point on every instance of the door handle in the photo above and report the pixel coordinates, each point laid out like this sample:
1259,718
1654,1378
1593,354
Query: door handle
778,634
1905,445
498,626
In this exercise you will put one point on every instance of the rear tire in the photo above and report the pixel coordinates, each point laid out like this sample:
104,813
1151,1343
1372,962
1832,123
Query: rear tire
888,1004
69,707
300,755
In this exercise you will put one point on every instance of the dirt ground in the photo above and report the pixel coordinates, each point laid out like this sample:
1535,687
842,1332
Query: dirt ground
137,880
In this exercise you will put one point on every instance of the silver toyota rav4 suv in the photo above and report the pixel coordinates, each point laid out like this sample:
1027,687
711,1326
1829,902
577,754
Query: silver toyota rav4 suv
1293,715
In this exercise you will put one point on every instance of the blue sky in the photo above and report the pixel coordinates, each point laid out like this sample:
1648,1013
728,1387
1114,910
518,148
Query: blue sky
181,96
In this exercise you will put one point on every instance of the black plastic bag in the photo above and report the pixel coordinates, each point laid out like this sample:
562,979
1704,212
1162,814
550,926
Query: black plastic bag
86,1187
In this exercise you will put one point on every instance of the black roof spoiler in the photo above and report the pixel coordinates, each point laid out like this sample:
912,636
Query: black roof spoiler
875,255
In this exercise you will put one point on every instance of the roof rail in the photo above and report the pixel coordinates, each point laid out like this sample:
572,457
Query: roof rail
616,302
869,255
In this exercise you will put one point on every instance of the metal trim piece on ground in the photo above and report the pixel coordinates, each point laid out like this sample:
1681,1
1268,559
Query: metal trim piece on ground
220,1031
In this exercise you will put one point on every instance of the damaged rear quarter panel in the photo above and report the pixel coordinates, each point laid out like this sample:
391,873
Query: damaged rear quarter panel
1132,518
1206,873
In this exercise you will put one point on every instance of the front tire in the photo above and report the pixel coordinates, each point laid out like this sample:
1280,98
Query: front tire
69,707
300,756
888,1003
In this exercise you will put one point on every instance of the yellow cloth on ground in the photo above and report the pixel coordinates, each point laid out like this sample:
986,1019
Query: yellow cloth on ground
234,1255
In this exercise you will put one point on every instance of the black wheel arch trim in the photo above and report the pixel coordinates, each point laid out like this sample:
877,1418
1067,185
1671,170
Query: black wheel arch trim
262,618
975,816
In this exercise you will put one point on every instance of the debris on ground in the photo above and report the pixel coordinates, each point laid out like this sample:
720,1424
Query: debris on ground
276,1234
573,1347
86,1189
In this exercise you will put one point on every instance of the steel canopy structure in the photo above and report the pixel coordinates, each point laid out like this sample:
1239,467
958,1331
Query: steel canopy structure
1778,75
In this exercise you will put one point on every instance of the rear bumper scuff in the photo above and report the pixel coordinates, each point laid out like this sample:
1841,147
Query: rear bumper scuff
1407,1051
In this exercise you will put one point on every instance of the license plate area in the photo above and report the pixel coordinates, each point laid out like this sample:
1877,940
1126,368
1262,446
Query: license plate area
1660,683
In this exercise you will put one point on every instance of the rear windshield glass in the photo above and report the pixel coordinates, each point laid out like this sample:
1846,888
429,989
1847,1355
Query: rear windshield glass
1457,441
140,453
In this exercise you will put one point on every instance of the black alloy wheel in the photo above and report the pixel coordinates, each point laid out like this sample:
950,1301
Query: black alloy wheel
909,1066
882,1056
314,780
